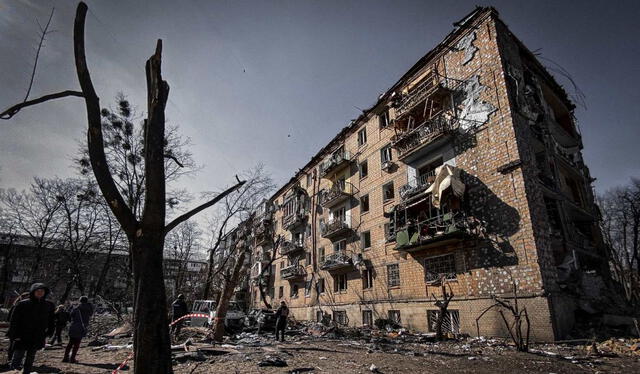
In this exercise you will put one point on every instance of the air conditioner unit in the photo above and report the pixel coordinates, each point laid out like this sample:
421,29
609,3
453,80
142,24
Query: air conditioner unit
387,165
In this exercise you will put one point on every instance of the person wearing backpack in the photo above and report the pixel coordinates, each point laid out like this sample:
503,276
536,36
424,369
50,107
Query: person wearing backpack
282,314
78,329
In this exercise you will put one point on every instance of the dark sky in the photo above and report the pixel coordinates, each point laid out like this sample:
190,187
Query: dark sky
274,81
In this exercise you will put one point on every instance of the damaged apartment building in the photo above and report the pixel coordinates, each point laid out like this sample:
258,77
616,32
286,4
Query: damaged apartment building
468,171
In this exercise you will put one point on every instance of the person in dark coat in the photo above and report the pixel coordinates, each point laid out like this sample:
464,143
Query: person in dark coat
61,318
23,296
31,323
78,329
179,309
282,314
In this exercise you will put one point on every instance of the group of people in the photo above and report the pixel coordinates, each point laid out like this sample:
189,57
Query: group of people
33,318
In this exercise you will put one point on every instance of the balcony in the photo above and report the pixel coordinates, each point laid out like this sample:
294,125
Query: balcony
432,86
289,247
417,185
335,162
434,231
340,192
263,233
424,134
336,261
263,256
293,220
334,229
292,272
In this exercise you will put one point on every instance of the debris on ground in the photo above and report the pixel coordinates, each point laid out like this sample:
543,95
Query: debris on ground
272,361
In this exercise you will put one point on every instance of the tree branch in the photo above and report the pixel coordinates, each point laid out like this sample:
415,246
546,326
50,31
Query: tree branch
35,64
202,207
95,141
174,158
12,111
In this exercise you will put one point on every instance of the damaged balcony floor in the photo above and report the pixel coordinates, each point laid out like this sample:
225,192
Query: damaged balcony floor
388,352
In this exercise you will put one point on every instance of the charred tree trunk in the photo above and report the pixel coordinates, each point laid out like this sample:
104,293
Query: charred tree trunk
151,339
227,292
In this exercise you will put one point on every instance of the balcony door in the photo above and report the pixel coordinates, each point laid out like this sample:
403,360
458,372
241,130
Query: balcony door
339,215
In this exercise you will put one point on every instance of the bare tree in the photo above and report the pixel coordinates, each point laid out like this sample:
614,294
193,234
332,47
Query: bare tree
147,232
621,230
443,305
180,247
233,209
34,212
79,229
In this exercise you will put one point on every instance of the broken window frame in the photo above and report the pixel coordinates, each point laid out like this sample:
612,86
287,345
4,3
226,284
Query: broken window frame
321,254
363,169
383,119
386,154
365,240
394,316
367,279
367,318
362,137
280,292
388,192
340,317
340,283
364,204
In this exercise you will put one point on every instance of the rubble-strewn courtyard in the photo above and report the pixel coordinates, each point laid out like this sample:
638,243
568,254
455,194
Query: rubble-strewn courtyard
313,348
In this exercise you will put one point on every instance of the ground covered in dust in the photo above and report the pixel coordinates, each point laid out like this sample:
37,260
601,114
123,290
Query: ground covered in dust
376,351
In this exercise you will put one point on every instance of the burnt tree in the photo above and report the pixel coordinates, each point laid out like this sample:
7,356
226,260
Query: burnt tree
145,234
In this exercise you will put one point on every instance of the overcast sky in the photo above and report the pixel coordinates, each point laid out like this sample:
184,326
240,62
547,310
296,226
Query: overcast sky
274,81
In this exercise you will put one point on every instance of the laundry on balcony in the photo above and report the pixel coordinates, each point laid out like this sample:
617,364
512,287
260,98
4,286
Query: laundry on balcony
447,180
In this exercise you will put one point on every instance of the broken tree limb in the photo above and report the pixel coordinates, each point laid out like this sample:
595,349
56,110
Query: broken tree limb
178,220
174,158
94,134
12,111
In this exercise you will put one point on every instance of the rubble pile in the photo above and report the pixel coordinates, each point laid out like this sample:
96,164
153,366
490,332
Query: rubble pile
622,347
105,324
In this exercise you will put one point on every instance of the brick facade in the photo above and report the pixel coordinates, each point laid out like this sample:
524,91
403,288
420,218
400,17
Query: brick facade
500,156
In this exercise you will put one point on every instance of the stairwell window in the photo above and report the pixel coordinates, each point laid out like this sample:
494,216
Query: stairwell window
365,240
367,279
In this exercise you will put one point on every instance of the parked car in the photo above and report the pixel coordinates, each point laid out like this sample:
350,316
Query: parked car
234,319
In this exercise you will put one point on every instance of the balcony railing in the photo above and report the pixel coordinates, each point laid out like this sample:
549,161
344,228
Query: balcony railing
293,220
341,191
431,86
335,261
289,247
335,228
334,162
292,272
436,229
417,185
425,133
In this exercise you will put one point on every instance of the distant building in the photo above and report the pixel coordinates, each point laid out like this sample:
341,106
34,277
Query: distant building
467,170
19,255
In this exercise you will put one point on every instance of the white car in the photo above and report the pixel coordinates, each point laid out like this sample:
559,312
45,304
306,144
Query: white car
234,317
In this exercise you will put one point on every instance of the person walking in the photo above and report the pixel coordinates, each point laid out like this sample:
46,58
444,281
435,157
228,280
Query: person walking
78,329
31,323
282,314
23,296
179,309
61,318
